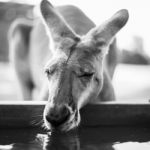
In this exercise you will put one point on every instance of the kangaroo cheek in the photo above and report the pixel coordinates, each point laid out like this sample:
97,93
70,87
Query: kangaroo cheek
77,89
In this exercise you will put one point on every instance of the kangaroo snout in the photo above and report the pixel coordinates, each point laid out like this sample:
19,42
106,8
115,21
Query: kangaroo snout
57,115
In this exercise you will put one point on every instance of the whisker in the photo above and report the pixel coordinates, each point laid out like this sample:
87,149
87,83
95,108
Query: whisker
37,120
37,115
44,127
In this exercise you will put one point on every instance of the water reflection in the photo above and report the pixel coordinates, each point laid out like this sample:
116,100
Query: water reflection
83,139
60,141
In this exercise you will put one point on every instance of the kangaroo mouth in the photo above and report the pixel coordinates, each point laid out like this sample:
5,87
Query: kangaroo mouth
72,123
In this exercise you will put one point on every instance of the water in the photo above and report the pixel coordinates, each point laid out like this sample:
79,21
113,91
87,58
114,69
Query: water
114,138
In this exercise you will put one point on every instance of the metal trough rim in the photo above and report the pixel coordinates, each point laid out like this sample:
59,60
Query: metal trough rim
21,114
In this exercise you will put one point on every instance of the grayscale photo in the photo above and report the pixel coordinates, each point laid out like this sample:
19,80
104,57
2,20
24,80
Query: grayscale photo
74,75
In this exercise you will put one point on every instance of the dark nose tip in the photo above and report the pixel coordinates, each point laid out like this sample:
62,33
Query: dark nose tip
57,115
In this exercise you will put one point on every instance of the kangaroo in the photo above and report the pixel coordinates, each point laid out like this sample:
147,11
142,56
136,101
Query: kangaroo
62,59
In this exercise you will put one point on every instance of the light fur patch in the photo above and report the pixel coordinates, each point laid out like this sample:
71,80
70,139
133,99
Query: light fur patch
82,100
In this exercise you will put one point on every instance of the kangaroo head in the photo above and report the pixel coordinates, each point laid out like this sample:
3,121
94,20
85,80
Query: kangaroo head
75,73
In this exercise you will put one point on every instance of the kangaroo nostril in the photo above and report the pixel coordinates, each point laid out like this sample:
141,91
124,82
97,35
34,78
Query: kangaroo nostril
58,116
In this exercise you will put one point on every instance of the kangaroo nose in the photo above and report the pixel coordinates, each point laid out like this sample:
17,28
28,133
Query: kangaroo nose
57,115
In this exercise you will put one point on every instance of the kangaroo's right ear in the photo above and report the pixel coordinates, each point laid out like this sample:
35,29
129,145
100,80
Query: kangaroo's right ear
57,26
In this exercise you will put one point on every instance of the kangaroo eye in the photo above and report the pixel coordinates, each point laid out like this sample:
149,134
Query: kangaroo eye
86,77
86,74
49,71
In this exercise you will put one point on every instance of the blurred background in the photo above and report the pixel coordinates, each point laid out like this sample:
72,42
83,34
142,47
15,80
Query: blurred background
131,80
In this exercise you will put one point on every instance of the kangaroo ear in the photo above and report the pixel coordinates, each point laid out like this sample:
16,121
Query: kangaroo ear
56,24
104,33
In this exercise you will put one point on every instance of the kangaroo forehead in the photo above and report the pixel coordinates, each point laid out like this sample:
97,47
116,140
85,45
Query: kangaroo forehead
78,55
69,65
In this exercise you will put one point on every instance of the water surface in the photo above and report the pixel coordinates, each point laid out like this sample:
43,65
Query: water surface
115,138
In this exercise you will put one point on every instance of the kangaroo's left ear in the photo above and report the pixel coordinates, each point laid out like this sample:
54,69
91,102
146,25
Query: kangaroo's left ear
56,24
104,33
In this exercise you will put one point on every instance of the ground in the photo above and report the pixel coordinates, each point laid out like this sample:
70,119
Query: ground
8,90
